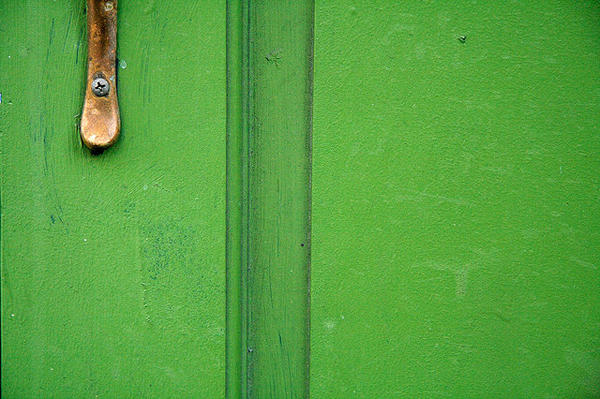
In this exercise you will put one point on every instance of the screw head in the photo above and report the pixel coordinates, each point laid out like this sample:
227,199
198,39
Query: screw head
100,87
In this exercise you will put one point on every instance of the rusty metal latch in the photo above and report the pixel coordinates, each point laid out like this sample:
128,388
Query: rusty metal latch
100,121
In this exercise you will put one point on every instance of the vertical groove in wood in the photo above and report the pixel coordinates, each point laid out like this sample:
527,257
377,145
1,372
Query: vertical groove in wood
269,110
235,199
280,103
269,70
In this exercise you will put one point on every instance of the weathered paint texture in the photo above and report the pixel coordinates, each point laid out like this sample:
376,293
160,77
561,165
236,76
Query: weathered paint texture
269,54
455,202
280,49
113,265
456,186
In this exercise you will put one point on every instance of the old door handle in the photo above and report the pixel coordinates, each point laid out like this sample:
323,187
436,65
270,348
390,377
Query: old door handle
100,121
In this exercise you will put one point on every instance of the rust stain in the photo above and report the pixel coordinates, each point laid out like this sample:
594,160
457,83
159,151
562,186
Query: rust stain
100,120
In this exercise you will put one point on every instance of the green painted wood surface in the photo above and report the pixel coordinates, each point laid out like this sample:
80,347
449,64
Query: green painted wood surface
456,202
456,186
237,197
269,91
279,118
113,265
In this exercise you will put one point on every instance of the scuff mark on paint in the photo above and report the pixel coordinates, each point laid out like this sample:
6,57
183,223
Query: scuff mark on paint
144,294
462,278
583,263
275,56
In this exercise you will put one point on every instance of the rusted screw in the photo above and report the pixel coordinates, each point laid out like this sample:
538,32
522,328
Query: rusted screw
100,87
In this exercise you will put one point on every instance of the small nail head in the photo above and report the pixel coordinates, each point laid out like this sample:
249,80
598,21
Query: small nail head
100,87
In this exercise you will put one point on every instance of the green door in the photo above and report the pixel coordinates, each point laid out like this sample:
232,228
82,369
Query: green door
113,265
337,199
456,199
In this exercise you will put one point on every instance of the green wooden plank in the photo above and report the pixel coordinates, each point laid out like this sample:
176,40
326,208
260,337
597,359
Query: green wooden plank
456,220
113,265
280,94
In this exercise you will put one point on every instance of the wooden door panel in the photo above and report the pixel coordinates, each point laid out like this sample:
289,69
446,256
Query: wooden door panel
113,269
454,190
455,199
